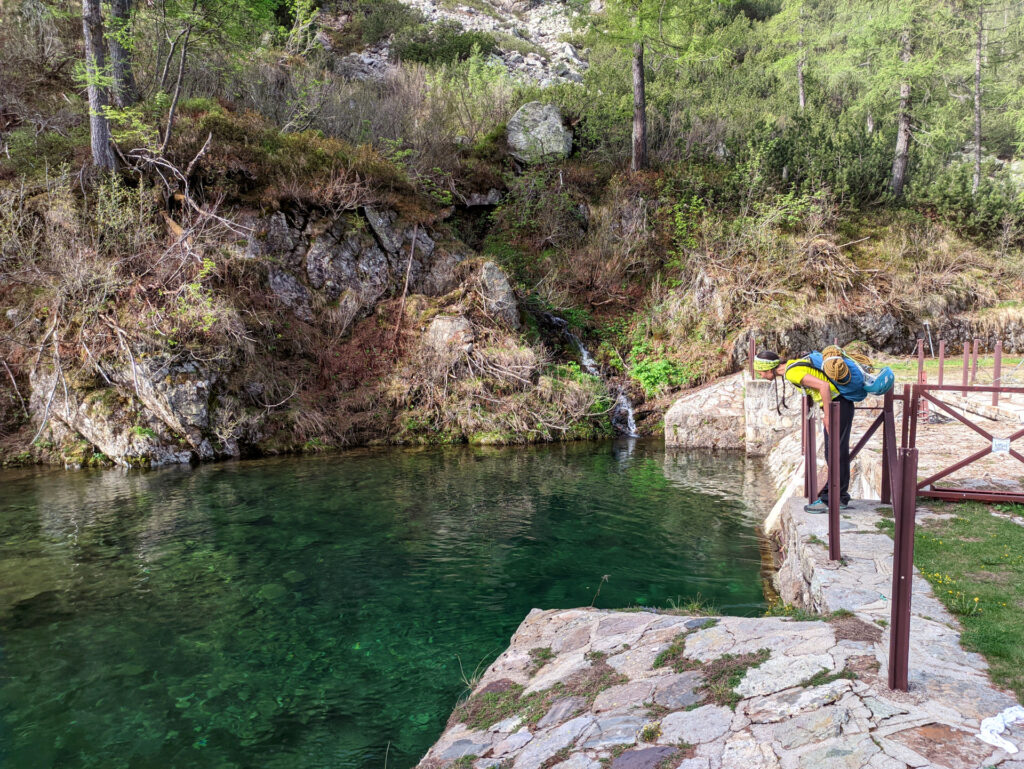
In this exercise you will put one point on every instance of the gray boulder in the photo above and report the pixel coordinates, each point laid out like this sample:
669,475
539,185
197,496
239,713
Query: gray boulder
536,134
499,298
447,336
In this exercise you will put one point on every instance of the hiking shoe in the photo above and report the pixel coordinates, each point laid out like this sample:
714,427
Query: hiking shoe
845,505
817,506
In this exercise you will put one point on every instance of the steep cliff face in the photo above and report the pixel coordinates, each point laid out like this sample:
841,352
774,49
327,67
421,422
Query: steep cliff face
153,406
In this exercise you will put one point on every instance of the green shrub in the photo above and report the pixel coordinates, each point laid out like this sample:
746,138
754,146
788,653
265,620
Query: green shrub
996,205
30,153
381,18
440,43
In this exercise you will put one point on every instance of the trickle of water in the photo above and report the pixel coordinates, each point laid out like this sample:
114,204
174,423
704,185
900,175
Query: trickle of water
589,364
623,419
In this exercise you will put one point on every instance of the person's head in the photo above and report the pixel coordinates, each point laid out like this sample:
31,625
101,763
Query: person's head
767,364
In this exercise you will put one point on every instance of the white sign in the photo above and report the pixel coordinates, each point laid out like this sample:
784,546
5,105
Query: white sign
1000,445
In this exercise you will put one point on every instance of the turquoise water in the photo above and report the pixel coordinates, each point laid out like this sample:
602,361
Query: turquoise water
321,612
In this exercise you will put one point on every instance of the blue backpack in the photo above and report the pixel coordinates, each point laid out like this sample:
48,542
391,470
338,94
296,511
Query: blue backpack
852,390
861,384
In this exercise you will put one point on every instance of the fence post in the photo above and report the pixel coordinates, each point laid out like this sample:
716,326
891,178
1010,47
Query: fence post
997,373
942,359
811,457
967,363
974,362
803,445
921,377
751,352
903,573
887,414
833,481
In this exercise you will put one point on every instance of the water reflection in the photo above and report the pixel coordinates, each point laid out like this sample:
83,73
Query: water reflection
311,612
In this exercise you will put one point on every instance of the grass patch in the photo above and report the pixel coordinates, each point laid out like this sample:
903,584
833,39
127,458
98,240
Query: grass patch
781,609
905,369
814,539
540,656
650,732
823,677
723,675
975,564
504,699
887,525
691,607
675,655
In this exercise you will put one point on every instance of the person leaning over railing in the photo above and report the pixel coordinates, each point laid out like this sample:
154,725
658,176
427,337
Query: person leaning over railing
803,375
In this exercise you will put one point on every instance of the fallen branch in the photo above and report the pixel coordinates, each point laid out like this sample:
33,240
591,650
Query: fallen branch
405,289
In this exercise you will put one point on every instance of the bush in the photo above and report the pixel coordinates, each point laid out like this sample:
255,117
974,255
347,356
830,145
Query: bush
382,18
993,210
440,43
540,211
655,375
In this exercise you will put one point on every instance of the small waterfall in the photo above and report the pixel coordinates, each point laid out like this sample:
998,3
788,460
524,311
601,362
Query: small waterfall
622,412
589,364
622,415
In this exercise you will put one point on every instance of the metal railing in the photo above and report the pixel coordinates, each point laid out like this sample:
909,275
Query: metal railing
901,486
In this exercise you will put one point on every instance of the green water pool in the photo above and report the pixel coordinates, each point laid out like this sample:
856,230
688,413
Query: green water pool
322,612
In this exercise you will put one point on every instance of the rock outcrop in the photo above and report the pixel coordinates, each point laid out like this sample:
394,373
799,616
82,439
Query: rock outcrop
708,418
536,134
148,408
499,297
155,411
448,336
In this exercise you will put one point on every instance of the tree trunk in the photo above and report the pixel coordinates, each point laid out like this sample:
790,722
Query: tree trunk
977,100
800,79
639,110
120,56
95,64
899,163
800,64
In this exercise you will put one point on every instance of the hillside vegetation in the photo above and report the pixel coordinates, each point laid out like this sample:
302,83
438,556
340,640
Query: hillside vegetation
233,227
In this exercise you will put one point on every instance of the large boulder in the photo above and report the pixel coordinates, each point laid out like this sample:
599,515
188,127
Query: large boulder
499,298
448,336
536,134
711,417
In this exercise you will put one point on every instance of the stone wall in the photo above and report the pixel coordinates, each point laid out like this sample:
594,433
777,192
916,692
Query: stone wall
711,417
767,421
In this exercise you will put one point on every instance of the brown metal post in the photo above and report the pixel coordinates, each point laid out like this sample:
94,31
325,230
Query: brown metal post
833,481
997,374
915,408
803,443
921,377
974,362
967,363
942,359
751,352
905,427
887,415
811,473
903,574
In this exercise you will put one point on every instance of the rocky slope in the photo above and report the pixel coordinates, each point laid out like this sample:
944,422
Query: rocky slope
531,35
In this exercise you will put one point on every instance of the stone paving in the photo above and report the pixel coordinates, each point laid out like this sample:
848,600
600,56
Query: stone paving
582,688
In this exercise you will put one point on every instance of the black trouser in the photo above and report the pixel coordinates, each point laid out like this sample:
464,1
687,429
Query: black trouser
845,427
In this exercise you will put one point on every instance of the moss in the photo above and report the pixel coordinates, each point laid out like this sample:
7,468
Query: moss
823,677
